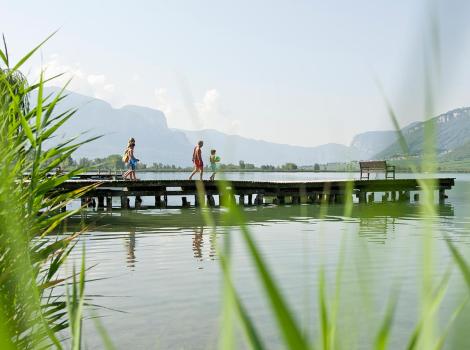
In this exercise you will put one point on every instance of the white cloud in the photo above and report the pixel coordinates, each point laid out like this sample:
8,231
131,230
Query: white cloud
91,84
163,101
94,79
213,115
208,113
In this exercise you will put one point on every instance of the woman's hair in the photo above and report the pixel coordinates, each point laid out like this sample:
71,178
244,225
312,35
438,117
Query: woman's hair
200,142
213,151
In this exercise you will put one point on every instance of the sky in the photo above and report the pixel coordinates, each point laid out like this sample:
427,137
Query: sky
296,72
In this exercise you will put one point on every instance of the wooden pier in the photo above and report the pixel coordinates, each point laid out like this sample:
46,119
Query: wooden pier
254,192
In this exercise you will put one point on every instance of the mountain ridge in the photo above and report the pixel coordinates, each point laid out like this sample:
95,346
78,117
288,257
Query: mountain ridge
157,143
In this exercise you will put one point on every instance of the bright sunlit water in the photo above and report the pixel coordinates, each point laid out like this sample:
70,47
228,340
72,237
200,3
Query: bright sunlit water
157,282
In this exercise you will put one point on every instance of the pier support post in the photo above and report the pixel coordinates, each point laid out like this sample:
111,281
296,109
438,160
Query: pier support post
210,200
124,202
442,196
196,200
158,201
394,196
295,200
416,197
241,199
404,196
314,198
281,200
331,198
259,200
184,202
138,202
385,197
109,202
362,195
339,198
250,199
371,198
100,201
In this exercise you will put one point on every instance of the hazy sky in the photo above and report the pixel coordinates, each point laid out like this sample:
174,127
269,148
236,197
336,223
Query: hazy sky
297,72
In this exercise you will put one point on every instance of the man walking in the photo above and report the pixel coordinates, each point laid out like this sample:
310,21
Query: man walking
197,160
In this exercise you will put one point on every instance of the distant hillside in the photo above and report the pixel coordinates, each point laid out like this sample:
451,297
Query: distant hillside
233,148
369,143
452,131
157,143
459,153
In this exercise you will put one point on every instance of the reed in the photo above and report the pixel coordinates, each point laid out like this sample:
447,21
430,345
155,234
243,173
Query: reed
32,315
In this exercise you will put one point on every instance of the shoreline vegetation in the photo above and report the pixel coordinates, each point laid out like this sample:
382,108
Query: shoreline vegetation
115,163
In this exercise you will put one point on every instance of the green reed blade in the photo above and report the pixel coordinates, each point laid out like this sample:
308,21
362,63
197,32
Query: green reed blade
459,259
245,320
29,54
288,327
383,335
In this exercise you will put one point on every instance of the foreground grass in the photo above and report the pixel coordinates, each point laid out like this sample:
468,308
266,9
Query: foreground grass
31,315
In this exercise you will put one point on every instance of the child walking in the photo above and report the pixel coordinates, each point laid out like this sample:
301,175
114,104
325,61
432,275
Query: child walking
131,160
214,159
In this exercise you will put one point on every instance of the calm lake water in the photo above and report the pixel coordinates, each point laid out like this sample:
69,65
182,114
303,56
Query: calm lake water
157,280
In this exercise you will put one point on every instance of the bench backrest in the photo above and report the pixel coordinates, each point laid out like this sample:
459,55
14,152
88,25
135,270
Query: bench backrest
373,165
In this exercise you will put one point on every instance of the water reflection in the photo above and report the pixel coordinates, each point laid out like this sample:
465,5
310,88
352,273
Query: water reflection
130,246
198,244
376,223
156,220
377,229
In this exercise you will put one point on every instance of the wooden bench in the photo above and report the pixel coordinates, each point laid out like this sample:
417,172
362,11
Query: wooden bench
375,166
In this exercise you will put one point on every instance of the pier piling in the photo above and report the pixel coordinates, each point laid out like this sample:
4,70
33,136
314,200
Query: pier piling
295,192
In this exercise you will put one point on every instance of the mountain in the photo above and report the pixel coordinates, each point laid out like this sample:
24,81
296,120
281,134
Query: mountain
458,154
155,141
233,148
452,131
369,143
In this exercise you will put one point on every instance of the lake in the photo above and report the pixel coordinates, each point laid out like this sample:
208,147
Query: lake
156,276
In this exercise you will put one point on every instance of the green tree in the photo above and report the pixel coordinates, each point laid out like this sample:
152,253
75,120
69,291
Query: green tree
289,166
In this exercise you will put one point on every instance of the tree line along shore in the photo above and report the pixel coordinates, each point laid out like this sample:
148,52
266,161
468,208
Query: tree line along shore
114,162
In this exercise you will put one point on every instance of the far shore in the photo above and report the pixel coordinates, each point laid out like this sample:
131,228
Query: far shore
272,171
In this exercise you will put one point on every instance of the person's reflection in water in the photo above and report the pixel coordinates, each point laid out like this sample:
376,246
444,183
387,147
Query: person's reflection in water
198,242
130,245
212,247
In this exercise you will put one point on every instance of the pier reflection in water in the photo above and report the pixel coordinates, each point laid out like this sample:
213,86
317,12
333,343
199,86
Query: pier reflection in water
376,222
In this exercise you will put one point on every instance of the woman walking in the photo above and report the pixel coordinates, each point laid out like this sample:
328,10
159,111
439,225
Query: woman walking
131,160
